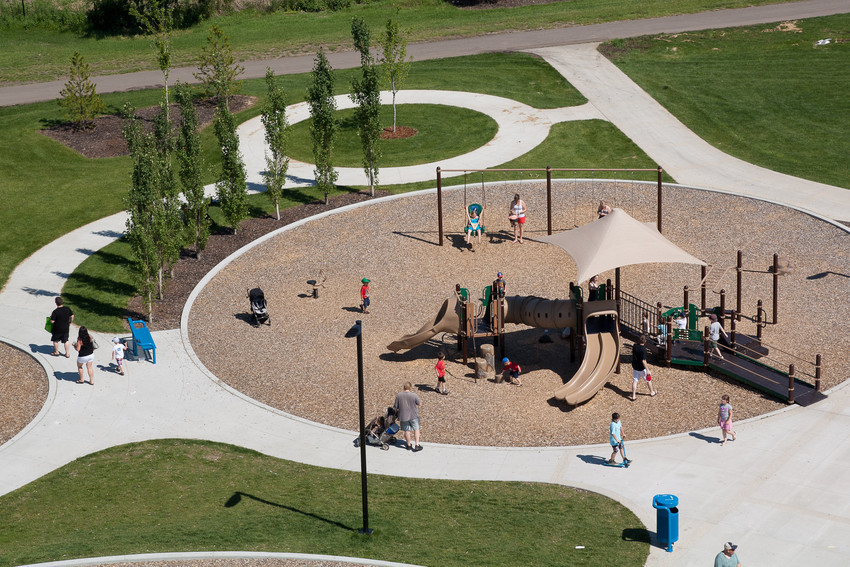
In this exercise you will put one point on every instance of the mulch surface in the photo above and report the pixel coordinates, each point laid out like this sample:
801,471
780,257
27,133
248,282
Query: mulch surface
104,139
191,269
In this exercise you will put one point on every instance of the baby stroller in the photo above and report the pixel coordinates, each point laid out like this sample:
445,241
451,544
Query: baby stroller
380,432
259,312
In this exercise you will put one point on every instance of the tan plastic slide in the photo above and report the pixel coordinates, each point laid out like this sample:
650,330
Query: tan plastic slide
446,321
600,357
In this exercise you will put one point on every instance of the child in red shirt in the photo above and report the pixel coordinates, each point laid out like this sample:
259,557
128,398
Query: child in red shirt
364,296
512,369
441,374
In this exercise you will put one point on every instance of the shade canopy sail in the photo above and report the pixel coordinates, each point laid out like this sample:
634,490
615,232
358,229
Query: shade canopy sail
617,240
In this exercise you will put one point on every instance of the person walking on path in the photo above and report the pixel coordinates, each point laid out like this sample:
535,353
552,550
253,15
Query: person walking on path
727,557
61,319
118,349
714,332
724,418
615,437
640,371
364,295
517,217
85,355
406,406
440,368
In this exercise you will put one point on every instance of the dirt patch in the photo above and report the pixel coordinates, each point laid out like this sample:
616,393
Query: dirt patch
105,139
400,133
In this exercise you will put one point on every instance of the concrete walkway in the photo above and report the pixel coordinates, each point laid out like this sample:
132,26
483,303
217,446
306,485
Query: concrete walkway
508,41
778,491
685,156
521,128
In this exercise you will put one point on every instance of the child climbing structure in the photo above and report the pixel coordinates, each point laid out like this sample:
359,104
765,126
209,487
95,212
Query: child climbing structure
599,324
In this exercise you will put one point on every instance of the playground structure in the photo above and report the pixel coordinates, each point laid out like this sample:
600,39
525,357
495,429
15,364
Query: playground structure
473,320
624,241
749,359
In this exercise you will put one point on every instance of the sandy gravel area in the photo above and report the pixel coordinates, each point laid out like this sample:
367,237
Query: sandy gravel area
23,390
302,364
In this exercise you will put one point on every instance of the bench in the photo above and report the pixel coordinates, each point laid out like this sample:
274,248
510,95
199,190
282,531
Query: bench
142,338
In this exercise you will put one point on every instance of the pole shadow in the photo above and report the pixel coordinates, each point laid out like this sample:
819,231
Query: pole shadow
237,497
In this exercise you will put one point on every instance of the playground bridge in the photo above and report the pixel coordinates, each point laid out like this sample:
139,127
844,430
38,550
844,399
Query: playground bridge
746,359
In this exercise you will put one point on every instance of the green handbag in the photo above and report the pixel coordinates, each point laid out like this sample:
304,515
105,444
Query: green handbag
48,326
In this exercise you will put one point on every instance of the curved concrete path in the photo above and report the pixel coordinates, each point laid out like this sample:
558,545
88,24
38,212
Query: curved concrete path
521,128
778,492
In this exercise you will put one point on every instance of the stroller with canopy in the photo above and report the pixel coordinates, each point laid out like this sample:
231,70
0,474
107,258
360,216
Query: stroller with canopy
380,432
259,311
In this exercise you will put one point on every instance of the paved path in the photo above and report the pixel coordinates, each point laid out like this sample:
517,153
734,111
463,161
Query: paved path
521,128
685,156
778,491
512,41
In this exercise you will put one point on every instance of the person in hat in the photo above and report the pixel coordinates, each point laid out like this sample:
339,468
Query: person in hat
364,295
499,284
511,370
714,331
118,349
727,557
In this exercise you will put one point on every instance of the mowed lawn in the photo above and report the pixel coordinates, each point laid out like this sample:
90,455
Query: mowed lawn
181,495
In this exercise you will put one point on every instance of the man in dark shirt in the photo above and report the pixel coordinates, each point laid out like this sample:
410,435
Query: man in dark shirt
62,317
640,371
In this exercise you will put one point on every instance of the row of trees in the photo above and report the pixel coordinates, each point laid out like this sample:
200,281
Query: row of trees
365,93
166,205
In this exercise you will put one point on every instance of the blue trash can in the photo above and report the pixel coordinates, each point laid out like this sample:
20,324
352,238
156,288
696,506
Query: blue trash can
667,529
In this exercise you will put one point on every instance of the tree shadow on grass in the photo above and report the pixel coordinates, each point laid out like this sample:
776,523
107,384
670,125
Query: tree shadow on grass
237,497
103,285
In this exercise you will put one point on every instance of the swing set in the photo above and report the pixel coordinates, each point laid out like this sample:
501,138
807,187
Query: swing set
479,207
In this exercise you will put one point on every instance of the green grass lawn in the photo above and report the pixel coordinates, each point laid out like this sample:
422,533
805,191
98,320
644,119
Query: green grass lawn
769,97
441,132
177,495
71,190
31,55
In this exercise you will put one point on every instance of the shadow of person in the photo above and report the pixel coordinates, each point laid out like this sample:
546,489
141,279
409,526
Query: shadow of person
705,438
592,459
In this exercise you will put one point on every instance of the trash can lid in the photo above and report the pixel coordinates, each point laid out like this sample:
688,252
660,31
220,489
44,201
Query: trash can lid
666,500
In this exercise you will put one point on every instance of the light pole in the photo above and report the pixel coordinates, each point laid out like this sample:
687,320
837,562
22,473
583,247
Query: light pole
357,331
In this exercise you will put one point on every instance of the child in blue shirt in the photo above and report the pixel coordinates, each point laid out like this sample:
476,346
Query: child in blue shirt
616,439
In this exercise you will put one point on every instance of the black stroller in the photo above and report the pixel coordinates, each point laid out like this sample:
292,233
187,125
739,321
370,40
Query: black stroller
380,432
259,311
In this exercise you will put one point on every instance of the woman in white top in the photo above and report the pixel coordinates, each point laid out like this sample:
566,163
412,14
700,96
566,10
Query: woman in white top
517,217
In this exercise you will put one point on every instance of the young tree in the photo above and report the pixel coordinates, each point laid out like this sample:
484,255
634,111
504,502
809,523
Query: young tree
141,206
323,128
189,158
169,229
218,68
366,94
156,17
232,187
79,100
277,134
394,60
